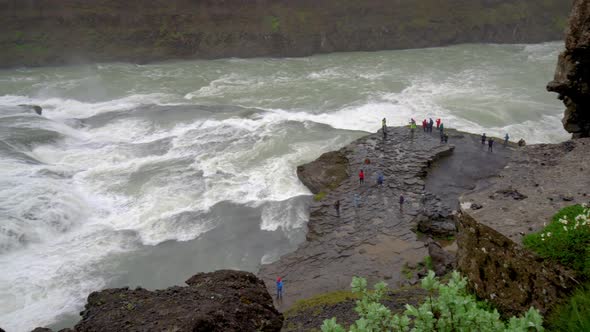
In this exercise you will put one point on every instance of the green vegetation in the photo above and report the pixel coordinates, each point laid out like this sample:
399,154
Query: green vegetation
566,239
407,272
319,196
428,263
574,315
273,22
447,308
330,298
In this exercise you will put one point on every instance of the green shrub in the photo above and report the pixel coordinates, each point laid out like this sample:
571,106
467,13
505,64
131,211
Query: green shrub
573,316
566,239
447,308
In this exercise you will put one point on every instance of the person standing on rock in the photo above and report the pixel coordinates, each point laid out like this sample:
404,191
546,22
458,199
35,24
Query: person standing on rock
490,144
384,123
401,202
424,125
446,138
337,208
442,129
437,123
356,200
506,138
430,125
380,179
361,177
279,289
483,139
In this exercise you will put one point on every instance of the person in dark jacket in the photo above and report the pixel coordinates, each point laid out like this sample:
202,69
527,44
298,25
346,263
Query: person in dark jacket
401,202
490,144
483,139
337,207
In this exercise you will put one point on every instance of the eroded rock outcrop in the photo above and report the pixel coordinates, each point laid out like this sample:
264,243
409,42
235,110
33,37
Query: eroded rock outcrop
536,183
223,300
325,173
572,75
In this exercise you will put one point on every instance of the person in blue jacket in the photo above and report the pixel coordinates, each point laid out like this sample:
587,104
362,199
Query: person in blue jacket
279,289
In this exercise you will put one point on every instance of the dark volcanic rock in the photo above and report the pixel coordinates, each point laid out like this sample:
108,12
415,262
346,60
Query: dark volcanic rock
36,108
572,75
442,260
376,239
45,32
490,250
437,225
324,173
223,300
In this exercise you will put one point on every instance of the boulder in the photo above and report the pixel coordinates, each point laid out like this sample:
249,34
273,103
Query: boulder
442,261
325,173
223,300
436,225
36,108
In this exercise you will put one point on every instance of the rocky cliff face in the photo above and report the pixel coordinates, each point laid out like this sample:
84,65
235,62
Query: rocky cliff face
536,183
223,300
572,75
61,31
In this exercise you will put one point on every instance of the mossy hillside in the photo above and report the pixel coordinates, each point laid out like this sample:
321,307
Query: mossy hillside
113,30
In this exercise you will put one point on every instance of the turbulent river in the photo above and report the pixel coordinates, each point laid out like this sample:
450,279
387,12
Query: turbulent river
146,174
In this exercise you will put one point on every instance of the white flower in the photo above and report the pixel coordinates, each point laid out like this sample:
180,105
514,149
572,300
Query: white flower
565,228
548,234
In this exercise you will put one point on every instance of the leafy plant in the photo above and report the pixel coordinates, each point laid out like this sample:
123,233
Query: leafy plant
574,315
448,308
566,239
428,263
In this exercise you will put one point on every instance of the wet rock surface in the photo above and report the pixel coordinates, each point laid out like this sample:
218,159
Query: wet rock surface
223,300
375,240
442,260
534,185
572,75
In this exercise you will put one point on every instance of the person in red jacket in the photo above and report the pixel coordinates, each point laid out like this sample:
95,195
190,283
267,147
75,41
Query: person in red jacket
437,123
424,125
361,177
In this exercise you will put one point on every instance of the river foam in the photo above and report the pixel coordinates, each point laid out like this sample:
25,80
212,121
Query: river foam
129,156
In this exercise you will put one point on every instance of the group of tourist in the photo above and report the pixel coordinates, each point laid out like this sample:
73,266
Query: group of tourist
427,127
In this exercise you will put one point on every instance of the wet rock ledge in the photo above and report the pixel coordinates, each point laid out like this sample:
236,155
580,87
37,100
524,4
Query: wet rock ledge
377,239
223,300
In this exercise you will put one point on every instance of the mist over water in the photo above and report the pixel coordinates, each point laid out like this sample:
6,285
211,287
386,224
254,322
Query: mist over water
147,174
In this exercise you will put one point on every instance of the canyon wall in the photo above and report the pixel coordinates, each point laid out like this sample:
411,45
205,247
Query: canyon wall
43,32
572,75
